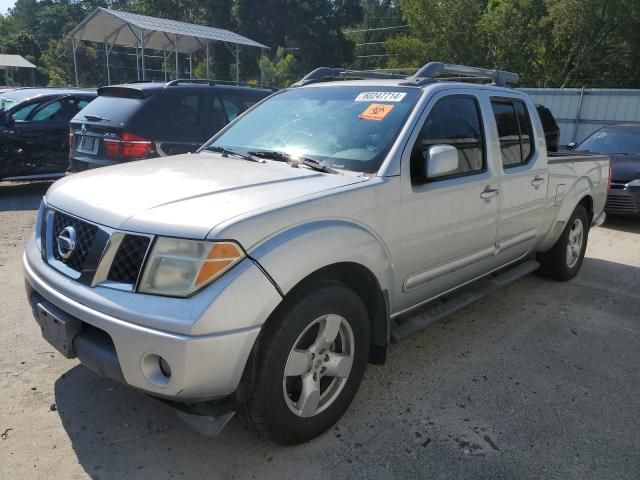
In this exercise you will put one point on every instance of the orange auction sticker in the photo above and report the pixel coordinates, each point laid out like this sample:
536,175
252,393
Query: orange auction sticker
376,112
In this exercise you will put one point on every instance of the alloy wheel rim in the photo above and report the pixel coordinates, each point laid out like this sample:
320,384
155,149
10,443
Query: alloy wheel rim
574,243
318,365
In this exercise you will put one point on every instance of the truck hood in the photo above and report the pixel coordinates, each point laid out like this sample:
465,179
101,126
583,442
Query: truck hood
184,195
625,167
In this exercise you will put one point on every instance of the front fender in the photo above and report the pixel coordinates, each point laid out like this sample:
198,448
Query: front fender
295,253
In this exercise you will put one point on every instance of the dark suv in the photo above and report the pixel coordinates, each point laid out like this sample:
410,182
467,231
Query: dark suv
145,120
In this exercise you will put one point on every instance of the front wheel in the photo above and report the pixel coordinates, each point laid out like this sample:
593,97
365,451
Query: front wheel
308,364
565,258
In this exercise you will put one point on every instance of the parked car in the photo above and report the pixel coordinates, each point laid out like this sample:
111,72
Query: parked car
34,130
264,271
622,143
145,120
550,127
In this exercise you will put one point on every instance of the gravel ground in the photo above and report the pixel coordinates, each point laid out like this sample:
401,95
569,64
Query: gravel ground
540,380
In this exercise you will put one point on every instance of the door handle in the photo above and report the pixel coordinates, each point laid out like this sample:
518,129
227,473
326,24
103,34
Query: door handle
537,181
488,192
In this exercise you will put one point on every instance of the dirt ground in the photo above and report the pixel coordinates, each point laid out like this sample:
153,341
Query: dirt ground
540,380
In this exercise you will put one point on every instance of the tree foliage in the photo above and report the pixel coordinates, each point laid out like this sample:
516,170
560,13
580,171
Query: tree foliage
549,42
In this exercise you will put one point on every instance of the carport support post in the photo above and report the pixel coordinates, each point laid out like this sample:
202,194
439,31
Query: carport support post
237,63
137,63
164,64
75,61
106,59
142,51
176,44
208,67
190,66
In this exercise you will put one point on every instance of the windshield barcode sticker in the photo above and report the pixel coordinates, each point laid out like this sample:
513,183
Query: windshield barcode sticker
380,97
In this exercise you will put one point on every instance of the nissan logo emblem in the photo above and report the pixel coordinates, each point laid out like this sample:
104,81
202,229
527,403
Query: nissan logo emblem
83,129
66,242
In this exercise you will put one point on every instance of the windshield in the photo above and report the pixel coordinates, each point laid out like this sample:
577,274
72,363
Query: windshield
350,128
613,140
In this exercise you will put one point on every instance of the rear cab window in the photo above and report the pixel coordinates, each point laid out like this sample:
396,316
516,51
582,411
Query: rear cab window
514,130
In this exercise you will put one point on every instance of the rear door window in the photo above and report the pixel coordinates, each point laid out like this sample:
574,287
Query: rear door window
187,111
217,118
60,111
235,104
514,130
47,112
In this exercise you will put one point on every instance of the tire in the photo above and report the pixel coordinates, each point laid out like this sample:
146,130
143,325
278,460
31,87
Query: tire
295,408
563,261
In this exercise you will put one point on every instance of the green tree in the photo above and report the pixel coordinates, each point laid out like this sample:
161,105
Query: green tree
595,42
372,32
311,31
444,30
518,38
281,70
57,61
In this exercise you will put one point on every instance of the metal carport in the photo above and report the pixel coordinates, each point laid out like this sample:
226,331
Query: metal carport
16,61
114,27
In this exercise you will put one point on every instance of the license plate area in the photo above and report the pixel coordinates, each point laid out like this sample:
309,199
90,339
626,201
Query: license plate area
58,328
88,144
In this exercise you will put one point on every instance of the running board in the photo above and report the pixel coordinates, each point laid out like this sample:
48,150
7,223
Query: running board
402,329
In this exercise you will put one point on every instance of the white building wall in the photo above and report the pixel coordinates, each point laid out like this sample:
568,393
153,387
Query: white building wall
579,112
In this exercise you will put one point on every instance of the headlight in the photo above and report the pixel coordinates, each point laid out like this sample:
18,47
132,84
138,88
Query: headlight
633,183
178,267
39,230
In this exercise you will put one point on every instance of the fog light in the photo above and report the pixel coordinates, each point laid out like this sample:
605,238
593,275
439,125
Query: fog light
164,367
156,369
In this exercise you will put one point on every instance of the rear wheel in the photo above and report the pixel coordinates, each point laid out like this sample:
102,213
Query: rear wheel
308,364
565,258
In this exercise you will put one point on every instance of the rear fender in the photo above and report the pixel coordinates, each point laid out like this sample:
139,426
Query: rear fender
567,201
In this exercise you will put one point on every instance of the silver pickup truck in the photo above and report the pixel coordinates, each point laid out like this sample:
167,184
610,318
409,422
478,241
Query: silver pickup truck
263,272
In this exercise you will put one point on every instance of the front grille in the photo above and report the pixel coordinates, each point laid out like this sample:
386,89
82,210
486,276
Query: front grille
127,263
85,236
621,204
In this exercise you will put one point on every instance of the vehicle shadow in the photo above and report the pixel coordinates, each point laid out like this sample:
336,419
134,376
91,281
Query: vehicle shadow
21,196
629,224
510,371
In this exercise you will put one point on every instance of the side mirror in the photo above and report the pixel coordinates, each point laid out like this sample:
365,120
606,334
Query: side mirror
572,145
441,160
8,120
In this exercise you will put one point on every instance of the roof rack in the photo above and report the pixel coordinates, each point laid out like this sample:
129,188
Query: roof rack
429,73
326,74
211,83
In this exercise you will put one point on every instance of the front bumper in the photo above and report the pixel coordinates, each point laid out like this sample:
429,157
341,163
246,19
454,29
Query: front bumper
117,339
623,202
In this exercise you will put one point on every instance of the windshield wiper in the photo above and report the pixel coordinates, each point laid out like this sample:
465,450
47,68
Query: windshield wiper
295,160
227,152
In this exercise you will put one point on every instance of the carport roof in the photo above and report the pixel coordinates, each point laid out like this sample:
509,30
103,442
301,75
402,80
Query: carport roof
15,61
124,28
